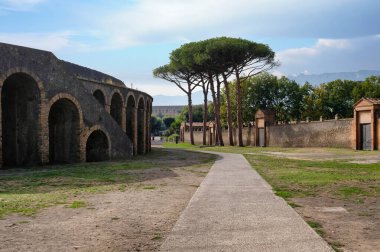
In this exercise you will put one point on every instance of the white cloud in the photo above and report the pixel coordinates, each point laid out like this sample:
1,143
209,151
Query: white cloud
332,55
296,52
153,21
321,46
44,41
19,5
333,43
170,20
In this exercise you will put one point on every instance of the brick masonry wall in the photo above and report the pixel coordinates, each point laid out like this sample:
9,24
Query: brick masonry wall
332,133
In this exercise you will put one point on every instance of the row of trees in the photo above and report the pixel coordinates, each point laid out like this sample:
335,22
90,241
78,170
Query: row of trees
289,100
209,64
293,102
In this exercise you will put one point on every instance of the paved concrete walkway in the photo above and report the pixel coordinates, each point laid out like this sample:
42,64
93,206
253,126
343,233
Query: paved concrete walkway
234,209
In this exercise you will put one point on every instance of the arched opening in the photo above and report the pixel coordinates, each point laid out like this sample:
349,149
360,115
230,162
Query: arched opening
20,101
140,127
100,97
97,147
130,117
64,131
117,108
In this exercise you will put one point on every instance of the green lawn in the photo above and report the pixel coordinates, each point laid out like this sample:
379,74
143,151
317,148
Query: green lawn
26,190
298,178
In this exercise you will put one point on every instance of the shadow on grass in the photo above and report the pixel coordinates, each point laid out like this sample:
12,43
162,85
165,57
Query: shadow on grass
40,179
27,189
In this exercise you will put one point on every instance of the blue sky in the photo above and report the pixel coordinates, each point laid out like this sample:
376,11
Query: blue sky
129,38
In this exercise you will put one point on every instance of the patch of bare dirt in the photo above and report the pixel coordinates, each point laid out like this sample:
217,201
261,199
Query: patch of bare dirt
137,219
350,226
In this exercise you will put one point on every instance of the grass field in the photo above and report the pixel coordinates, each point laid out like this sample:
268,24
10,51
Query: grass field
297,178
26,190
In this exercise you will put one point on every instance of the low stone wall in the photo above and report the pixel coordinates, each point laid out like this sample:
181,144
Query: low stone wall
248,136
198,136
332,133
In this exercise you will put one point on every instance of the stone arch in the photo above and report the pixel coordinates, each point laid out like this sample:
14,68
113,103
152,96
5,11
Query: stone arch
99,96
98,145
23,71
20,119
71,99
131,117
141,126
65,122
116,109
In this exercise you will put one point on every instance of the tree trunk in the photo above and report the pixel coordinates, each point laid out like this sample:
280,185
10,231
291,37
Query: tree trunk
221,141
219,138
205,113
238,110
189,103
229,114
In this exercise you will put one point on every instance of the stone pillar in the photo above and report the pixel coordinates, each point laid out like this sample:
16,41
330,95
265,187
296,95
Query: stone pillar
147,132
124,119
355,135
44,130
149,135
144,131
108,108
135,135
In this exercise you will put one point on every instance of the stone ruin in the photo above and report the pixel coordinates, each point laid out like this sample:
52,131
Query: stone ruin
53,111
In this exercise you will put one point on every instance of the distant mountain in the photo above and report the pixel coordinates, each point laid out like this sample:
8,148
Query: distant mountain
316,79
167,100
